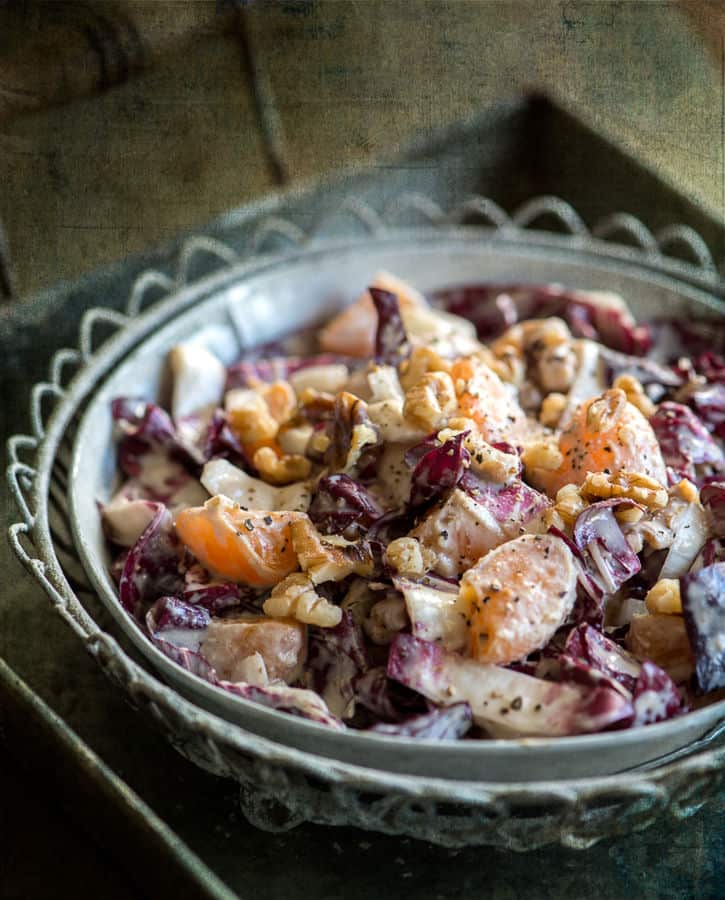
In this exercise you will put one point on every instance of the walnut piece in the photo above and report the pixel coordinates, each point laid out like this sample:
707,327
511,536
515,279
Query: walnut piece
408,557
635,394
552,407
430,401
249,416
296,596
421,361
604,412
494,464
542,454
664,597
329,559
283,469
632,485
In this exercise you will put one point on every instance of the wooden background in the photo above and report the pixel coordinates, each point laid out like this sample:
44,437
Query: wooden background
109,173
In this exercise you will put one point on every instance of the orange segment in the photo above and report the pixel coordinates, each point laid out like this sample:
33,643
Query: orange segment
483,397
352,331
622,440
249,547
516,597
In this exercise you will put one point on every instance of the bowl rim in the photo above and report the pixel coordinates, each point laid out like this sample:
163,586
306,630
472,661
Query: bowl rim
131,341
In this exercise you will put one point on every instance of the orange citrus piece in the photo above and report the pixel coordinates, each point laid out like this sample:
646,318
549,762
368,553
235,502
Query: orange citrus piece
250,547
483,397
516,597
623,442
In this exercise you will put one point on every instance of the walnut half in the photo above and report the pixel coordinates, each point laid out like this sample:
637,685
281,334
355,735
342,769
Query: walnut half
632,485
296,596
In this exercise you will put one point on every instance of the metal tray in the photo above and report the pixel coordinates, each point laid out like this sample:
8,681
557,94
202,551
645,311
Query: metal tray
282,786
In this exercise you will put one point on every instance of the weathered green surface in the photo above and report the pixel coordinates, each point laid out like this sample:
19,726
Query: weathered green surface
90,182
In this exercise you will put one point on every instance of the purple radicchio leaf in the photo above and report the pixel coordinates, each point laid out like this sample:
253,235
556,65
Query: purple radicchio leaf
504,701
494,307
712,495
656,697
335,658
609,559
580,671
177,629
151,569
514,503
342,505
219,441
712,365
213,597
603,655
249,372
703,608
656,378
684,441
391,341
438,470
293,701
589,605
385,699
709,404
448,723
712,552
178,622
145,427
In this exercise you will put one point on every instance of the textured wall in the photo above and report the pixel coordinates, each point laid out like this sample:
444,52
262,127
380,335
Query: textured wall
100,177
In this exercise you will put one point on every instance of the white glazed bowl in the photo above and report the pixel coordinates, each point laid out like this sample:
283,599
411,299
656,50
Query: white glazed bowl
258,302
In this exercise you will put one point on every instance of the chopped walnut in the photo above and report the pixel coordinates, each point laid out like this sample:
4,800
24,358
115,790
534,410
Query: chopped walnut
632,485
329,559
249,416
281,400
542,454
421,361
430,401
688,491
296,596
569,503
604,412
492,463
283,469
293,439
552,407
408,557
664,597
386,619
635,394
316,405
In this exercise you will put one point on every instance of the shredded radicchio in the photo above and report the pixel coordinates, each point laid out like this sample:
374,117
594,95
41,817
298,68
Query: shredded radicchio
609,559
494,307
703,608
151,569
342,505
440,724
437,470
391,341
684,441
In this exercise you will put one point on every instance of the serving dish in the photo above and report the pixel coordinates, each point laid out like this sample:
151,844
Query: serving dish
207,738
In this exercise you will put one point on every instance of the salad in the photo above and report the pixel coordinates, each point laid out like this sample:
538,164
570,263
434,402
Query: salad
495,511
